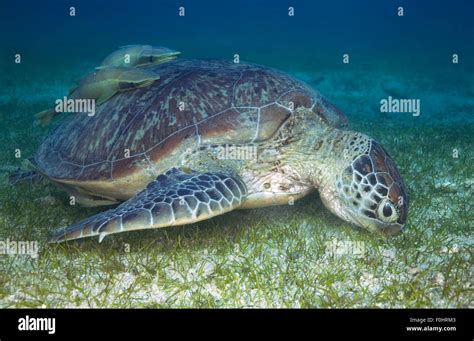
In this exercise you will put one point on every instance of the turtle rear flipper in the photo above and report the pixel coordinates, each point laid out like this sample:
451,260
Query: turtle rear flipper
19,177
174,198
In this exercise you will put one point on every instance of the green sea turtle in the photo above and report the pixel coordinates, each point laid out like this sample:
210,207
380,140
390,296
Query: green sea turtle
101,85
212,136
138,55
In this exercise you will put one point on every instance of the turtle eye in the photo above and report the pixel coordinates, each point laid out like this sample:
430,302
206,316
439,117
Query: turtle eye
386,211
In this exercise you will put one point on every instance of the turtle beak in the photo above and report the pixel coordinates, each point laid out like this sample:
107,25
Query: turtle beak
392,229
373,226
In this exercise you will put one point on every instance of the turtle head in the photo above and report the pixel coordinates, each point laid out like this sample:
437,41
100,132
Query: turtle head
367,189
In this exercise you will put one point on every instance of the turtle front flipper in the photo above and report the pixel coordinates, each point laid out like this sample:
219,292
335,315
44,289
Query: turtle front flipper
174,198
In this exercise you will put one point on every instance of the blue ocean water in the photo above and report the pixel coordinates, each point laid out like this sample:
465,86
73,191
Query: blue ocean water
261,31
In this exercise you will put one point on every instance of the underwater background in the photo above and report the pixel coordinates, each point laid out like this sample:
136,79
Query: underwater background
271,257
